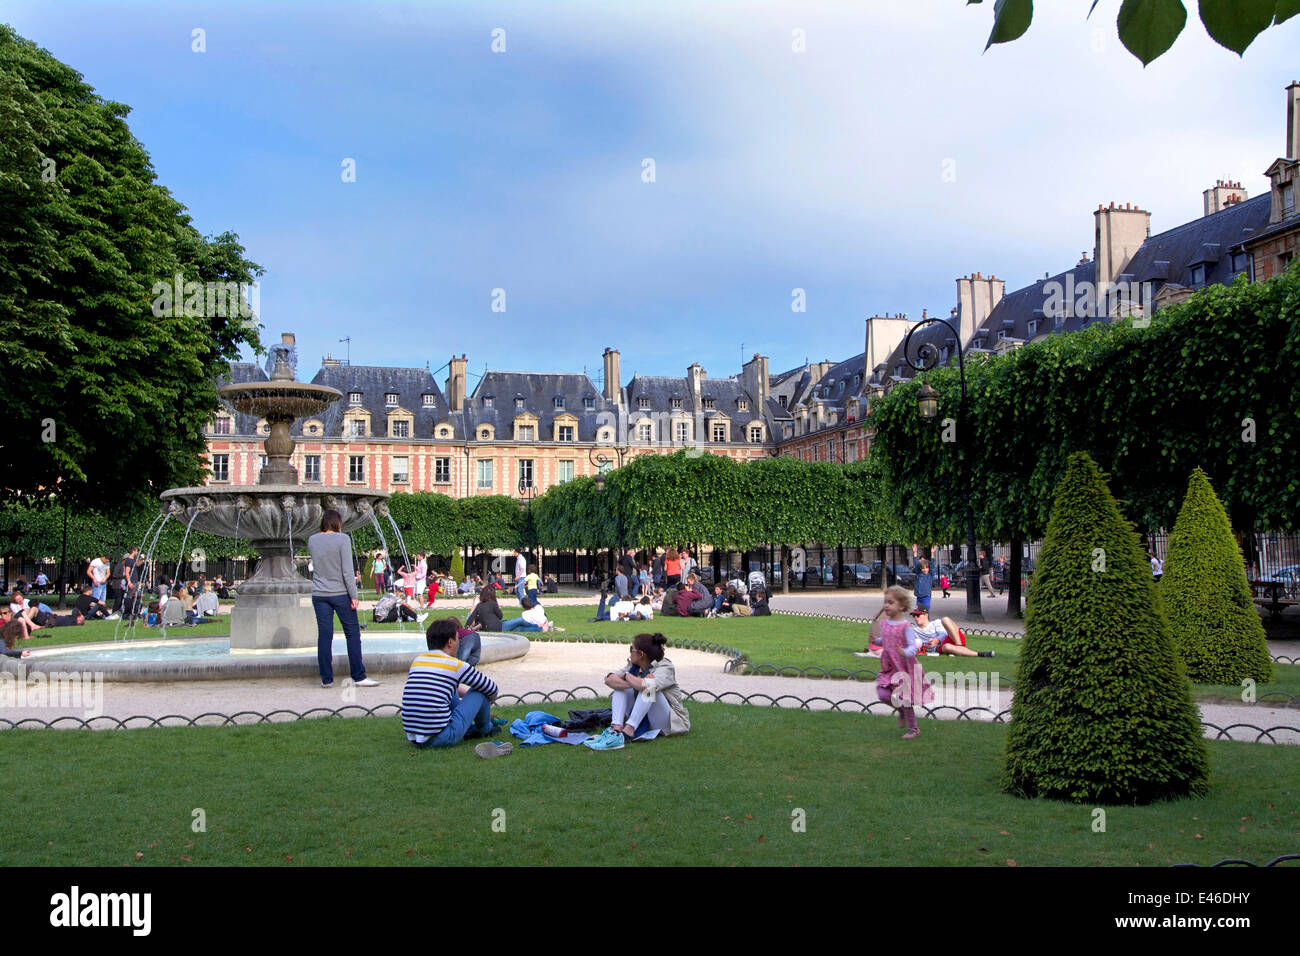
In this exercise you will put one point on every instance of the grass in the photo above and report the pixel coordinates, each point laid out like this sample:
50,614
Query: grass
801,642
331,792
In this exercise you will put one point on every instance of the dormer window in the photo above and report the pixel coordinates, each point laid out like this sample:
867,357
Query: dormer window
1059,320
519,403
1001,335
857,380
708,404
390,398
589,403
487,401
742,405
1238,262
1198,274
354,398
221,425
1288,199
558,401
643,402
676,403
430,401
1032,328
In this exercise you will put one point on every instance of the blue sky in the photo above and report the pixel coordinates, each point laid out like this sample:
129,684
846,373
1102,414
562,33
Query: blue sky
775,170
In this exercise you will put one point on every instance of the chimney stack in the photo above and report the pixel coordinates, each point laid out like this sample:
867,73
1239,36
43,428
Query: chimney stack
1119,234
694,375
884,333
1293,121
755,379
977,296
456,383
613,388
1222,195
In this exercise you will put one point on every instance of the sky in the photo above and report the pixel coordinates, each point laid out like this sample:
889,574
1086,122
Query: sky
871,169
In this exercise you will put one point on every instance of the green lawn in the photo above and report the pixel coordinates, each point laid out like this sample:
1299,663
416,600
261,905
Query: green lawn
328,792
779,640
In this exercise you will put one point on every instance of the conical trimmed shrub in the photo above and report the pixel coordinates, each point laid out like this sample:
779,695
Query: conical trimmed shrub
1102,711
1217,631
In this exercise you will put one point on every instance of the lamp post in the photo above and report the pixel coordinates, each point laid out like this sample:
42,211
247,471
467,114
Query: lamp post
927,403
527,492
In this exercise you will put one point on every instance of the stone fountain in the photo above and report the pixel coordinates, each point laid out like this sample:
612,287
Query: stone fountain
276,516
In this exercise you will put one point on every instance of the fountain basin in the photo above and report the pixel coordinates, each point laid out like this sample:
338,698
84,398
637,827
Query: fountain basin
213,658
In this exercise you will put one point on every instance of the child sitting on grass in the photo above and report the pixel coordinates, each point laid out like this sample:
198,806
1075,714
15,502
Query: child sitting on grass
901,682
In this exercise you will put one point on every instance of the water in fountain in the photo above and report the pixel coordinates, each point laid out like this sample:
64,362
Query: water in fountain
406,558
140,566
401,625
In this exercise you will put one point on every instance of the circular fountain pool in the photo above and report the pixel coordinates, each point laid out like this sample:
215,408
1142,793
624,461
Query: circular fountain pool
212,658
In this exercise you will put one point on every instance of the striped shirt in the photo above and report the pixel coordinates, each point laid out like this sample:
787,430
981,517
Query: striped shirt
430,693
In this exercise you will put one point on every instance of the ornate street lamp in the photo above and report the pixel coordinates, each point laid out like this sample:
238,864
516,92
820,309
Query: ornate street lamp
927,402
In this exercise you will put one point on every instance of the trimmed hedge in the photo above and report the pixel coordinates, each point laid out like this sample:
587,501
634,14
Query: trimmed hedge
1103,711
1217,631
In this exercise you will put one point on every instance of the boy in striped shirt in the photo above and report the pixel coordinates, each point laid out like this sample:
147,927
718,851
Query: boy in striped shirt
432,715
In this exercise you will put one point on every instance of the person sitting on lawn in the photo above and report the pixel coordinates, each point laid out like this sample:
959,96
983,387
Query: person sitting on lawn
644,695
758,603
939,637
432,714
703,601
486,614
533,619
207,604
390,609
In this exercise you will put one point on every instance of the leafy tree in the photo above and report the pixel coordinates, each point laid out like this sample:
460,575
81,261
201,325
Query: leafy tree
104,401
1216,628
1148,28
1102,711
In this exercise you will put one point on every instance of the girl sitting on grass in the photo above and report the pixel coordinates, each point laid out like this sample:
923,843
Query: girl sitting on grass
645,690
901,682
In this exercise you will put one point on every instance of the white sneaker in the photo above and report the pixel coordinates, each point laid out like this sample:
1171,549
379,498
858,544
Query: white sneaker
367,682
113,617
419,618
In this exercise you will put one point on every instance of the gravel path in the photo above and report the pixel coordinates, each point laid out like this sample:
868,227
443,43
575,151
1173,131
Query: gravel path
553,666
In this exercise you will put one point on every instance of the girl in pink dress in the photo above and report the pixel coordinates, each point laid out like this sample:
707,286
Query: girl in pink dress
901,681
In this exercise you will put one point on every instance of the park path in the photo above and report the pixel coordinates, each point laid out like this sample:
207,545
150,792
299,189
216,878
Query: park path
555,666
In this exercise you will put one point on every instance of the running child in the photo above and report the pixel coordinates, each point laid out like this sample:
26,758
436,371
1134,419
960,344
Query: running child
901,682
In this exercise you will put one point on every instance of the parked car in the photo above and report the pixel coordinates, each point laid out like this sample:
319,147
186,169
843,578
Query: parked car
1290,578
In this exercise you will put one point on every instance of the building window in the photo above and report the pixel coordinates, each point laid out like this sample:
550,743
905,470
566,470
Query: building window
643,402
816,452
430,401
220,467
558,401
1284,260
719,432
565,433
589,404
221,425
313,429
519,403
356,468
1059,320
645,432
487,401
566,471
676,403
830,450
390,398
485,434
1198,275
708,404
783,401
311,468
485,474
1031,332
357,428
401,469
742,405
1288,199
354,398
527,433
1001,334
682,431
525,473
756,435
857,380
400,428
442,471
1238,261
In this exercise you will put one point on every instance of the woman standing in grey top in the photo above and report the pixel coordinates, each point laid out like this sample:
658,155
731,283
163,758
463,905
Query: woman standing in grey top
334,590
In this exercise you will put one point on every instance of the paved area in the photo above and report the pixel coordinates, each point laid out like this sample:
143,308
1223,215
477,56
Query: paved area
554,666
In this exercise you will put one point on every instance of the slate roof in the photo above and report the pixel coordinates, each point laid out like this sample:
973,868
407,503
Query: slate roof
374,382
726,393
1169,256
240,373
539,391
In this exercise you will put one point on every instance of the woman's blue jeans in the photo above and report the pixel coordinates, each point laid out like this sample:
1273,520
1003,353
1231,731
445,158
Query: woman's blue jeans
326,608
518,624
